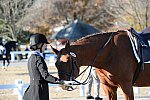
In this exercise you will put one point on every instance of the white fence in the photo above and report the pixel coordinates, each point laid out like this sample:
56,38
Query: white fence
13,54
19,88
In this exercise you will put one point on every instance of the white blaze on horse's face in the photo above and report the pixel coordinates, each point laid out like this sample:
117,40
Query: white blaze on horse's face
64,58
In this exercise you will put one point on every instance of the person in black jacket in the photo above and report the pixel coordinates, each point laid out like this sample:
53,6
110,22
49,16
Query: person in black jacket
4,56
38,71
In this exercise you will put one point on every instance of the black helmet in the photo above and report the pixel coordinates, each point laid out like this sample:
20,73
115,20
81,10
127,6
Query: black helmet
37,38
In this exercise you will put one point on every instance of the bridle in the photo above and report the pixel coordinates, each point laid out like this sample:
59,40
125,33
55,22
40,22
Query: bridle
73,64
70,75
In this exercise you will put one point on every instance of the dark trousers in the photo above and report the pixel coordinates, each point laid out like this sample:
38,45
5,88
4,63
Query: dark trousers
6,57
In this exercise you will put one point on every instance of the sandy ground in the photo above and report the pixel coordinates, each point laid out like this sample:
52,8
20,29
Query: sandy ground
18,70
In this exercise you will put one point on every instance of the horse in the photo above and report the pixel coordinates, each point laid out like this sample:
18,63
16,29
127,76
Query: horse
112,55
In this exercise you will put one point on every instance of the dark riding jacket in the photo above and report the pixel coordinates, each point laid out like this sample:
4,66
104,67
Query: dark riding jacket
39,79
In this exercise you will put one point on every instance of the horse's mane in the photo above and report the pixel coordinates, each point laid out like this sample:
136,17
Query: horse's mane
94,37
90,38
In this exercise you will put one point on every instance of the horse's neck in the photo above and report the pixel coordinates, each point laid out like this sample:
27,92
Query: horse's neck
88,51
84,54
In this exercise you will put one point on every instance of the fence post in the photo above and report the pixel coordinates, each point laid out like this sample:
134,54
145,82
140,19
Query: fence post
19,85
82,90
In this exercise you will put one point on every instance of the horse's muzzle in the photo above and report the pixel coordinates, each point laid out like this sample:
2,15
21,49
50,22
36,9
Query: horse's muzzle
68,88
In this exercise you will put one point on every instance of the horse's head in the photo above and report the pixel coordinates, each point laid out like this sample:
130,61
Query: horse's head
66,63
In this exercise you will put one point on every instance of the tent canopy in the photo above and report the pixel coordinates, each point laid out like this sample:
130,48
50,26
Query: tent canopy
146,30
75,30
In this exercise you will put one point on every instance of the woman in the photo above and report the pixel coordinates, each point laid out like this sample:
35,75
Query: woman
38,72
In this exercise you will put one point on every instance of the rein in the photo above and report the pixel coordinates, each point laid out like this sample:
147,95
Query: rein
85,81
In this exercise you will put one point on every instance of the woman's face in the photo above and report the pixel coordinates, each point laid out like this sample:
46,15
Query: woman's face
44,47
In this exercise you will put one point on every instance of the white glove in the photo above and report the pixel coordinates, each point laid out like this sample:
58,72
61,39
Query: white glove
68,83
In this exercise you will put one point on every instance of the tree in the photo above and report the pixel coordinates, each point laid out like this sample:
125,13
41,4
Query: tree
134,13
102,14
12,11
61,12
91,11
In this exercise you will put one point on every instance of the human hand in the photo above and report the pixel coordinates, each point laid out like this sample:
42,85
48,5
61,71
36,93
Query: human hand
60,81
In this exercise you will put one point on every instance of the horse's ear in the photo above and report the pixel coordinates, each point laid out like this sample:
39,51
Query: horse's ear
67,47
54,50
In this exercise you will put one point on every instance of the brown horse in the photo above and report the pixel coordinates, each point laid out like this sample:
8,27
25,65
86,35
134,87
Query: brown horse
113,57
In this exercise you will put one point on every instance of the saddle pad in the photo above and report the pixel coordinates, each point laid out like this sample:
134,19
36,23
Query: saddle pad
145,51
146,55
149,42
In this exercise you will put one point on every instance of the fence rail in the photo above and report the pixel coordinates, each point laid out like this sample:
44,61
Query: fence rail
46,54
19,88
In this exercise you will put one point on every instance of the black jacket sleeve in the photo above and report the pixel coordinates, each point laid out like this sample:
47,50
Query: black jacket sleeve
41,64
